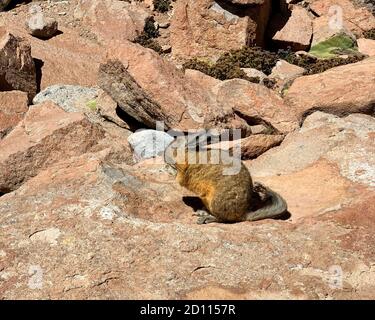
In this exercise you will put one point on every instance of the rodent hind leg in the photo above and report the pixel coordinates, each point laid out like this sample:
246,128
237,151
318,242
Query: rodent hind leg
204,217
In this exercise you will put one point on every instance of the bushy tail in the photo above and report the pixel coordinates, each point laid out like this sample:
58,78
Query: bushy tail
274,206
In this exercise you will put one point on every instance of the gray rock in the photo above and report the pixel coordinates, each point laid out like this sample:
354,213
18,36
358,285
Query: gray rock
149,143
41,27
68,97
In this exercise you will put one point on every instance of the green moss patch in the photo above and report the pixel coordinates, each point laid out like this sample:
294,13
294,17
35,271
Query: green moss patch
92,105
229,65
338,44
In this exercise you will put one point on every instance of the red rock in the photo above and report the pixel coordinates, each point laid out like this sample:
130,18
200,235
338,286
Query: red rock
17,69
157,90
325,27
252,146
46,135
111,20
69,58
285,72
13,106
202,79
97,226
355,18
205,28
295,32
257,104
366,46
334,92
330,158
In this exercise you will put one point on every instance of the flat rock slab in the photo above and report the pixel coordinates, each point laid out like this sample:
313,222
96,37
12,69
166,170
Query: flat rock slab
46,135
334,91
126,232
13,106
329,158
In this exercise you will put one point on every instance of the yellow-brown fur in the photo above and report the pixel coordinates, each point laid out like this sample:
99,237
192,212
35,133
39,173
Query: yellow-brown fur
227,197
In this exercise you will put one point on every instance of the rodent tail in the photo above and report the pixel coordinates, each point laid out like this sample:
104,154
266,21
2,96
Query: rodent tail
274,206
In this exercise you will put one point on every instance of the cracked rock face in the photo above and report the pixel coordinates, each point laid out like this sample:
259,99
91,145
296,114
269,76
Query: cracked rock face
150,89
13,107
207,28
17,68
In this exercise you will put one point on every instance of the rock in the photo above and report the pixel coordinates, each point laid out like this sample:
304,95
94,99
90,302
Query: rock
254,73
202,79
252,146
207,28
13,106
71,58
111,20
294,32
257,104
17,68
46,135
150,88
149,143
96,104
326,27
334,92
3,4
41,27
107,108
166,48
68,97
366,46
333,158
355,19
97,228
285,72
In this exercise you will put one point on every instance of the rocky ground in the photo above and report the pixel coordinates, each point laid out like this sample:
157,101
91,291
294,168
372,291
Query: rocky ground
88,211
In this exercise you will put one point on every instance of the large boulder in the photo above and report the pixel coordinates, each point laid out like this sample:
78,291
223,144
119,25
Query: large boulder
68,97
353,17
207,28
42,27
257,104
13,106
110,20
150,89
325,27
17,68
294,31
333,91
46,135
127,232
329,158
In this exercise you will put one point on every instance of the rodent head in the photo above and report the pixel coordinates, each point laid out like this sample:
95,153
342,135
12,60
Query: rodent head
175,153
